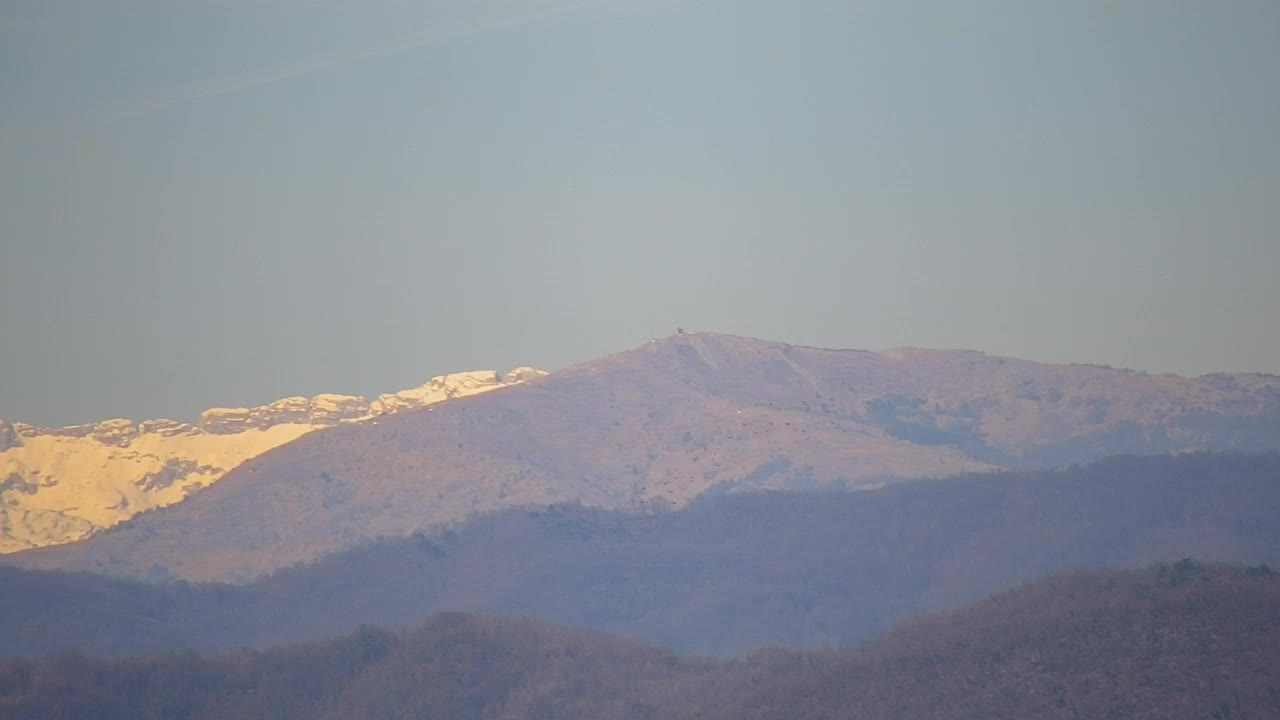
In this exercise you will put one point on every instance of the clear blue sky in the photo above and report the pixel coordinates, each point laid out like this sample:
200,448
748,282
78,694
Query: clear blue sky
219,203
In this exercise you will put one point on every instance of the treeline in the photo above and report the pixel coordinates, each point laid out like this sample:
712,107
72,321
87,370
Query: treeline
723,577
1182,641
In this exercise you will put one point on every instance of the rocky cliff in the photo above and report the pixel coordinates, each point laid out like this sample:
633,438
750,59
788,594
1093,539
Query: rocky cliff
8,436
62,484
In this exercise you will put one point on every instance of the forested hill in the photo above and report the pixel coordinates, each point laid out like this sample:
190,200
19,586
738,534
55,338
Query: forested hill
722,577
1174,642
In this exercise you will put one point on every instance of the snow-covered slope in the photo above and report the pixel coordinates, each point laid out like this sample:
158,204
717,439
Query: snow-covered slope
58,485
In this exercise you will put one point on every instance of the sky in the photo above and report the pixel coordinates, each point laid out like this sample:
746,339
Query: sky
223,202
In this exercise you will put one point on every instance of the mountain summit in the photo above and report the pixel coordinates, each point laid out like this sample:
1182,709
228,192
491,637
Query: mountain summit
670,421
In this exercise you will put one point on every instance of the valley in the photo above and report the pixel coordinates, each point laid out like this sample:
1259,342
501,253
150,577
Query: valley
723,576
1179,641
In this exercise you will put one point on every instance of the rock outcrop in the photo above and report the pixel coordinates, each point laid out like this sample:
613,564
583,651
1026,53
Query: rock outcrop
166,428
62,484
118,432
8,436
441,388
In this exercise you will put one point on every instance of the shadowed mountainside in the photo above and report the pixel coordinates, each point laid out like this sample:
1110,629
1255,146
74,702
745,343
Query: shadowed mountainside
664,424
723,576
1174,642
1171,642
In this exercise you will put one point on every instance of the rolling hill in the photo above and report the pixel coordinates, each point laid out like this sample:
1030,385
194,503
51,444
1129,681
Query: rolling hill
671,421
1174,642
723,576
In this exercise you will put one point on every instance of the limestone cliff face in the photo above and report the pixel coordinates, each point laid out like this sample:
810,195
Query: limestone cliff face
323,410
62,484
8,436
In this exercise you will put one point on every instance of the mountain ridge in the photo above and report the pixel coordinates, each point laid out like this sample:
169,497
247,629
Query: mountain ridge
60,484
670,421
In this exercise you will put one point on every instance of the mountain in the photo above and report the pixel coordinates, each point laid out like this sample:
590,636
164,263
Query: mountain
726,575
1176,642
63,484
666,423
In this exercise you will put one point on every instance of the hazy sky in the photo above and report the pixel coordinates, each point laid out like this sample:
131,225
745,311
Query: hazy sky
221,202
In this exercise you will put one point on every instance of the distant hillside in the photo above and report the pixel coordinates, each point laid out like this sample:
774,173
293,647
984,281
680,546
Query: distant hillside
455,666
726,575
63,484
1180,641
669,422
1176,642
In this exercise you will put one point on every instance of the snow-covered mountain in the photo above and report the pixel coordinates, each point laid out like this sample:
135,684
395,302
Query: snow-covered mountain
677,419
62,484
